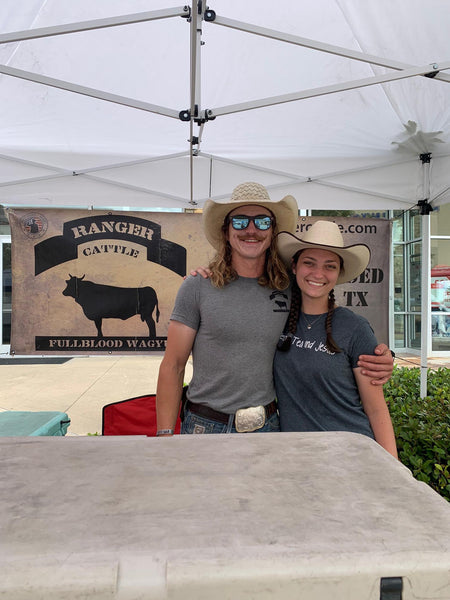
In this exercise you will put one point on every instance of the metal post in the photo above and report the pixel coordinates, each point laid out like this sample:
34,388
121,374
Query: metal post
195,107
426,303
425,209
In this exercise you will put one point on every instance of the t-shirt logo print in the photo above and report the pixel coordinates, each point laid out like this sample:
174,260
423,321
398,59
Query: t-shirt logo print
280,300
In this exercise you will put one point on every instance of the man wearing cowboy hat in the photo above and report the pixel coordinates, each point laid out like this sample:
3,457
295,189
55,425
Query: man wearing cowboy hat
232,321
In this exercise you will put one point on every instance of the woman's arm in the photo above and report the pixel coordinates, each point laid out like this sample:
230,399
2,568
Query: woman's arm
377,412
180,339
377,367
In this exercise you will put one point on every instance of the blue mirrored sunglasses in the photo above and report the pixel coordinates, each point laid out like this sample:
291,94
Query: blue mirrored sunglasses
262,222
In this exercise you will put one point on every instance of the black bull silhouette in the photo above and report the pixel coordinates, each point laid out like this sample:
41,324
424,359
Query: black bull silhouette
109,302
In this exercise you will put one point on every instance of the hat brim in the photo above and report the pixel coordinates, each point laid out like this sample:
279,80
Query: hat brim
356,257
214,213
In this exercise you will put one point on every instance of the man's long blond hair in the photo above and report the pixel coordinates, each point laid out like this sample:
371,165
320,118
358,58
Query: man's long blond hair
275,275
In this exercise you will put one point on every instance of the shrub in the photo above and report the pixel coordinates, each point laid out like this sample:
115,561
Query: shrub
422,425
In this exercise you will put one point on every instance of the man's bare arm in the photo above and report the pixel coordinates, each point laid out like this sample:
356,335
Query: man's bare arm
180,339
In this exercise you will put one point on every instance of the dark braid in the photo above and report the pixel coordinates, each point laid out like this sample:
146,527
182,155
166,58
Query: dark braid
291,325
331,344
294,312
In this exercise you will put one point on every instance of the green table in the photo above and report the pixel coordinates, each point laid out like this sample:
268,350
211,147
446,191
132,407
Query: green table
24,423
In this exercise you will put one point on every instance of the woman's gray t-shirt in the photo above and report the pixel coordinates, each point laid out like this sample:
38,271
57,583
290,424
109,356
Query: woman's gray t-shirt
316,389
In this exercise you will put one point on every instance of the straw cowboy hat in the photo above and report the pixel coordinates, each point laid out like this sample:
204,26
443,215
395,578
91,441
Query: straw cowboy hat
326,235
214,213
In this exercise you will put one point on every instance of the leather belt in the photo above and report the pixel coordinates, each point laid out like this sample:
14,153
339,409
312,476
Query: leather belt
209,413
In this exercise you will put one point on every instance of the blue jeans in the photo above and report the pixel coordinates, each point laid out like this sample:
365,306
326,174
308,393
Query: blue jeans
196,424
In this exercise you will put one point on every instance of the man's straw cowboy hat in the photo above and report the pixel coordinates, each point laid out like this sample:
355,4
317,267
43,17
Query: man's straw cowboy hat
214,213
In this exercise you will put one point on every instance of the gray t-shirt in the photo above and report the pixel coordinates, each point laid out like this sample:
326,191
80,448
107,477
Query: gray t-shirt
238,327
316,390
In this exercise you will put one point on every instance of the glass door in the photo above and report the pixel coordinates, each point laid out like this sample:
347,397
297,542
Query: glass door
5,295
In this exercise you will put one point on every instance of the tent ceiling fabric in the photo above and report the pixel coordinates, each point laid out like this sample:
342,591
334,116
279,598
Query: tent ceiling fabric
357,148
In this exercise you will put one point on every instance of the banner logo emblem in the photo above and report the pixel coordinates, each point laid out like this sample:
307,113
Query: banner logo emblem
34,225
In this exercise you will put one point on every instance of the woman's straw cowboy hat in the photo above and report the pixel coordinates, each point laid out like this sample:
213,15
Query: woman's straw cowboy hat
214,213
326,235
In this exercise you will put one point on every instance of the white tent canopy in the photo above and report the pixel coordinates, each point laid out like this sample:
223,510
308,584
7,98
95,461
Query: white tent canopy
333,101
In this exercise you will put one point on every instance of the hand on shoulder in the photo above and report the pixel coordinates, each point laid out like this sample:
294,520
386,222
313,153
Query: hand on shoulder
203,271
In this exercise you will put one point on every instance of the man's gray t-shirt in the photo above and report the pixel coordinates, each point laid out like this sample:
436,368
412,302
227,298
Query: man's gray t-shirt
238,327
316,390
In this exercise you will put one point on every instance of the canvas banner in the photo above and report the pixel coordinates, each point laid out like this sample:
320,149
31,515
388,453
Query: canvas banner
90,282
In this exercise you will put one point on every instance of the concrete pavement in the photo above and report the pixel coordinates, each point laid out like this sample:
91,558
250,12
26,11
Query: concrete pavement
79,387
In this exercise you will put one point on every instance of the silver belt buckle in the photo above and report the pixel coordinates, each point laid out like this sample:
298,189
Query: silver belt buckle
250,419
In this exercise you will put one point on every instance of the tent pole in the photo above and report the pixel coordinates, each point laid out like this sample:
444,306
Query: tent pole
425,209
41,32
328,89
88,91
316,45
426,320
198,8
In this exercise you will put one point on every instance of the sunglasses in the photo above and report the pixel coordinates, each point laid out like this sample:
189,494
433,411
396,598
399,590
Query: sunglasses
262,222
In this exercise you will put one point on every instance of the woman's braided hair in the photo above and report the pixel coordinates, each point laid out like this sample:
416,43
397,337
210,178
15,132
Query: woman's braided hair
294,314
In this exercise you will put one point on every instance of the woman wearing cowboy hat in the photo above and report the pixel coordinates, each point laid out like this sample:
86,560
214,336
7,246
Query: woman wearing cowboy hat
318,382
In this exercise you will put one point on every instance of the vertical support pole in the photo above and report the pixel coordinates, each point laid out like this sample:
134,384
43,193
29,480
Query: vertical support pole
391,317
197,13
426,303
210,176
425,335
196,43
